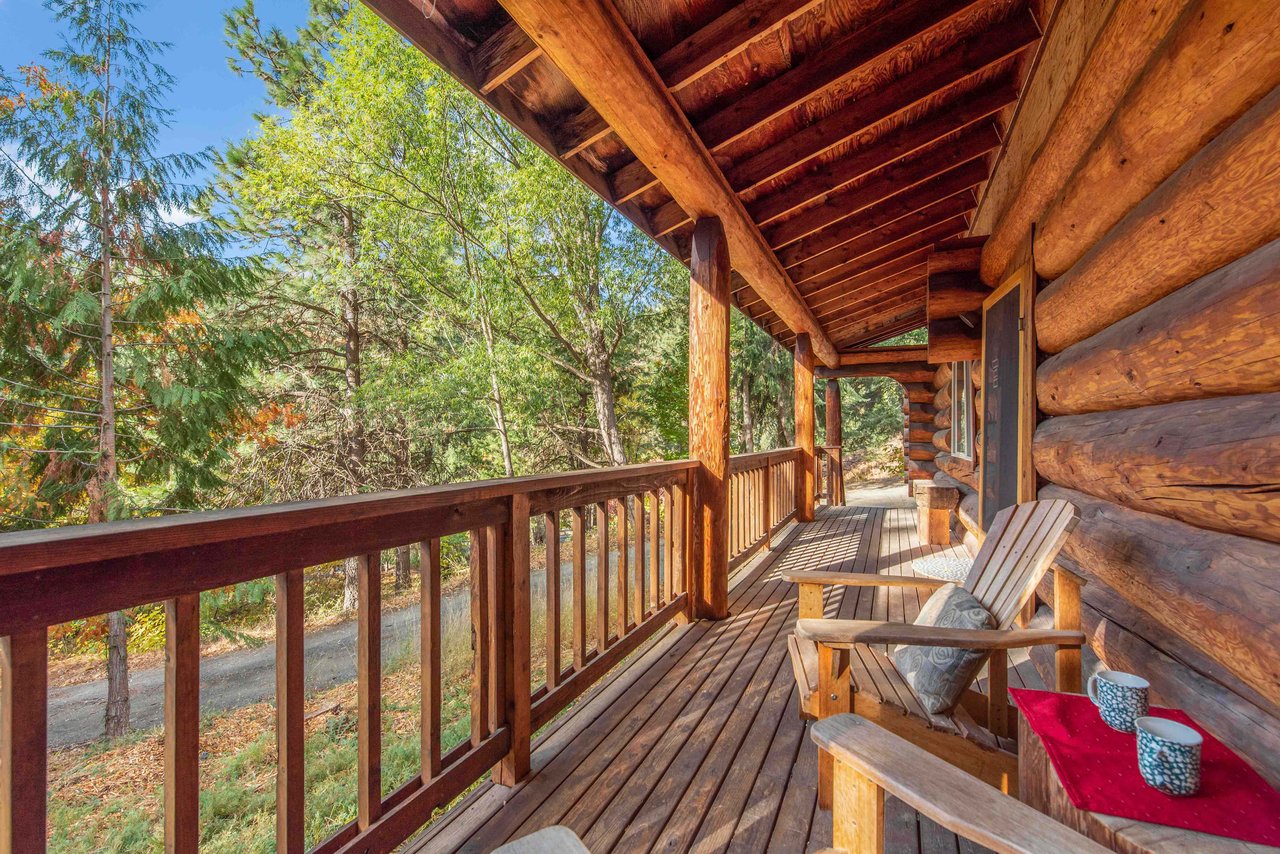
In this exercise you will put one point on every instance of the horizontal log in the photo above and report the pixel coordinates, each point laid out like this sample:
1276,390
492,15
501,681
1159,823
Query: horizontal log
961,470
1219,206
1132,33
942,440
957,254
942,376
953,340
1220,60
1217,592
967,512
942,418
921,413
924,453
1211,463
919,434
882,355
919,392
902,372
1218,336
954,293
942,400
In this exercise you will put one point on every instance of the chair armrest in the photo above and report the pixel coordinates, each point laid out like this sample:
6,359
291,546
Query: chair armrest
843,633
869,758
859,579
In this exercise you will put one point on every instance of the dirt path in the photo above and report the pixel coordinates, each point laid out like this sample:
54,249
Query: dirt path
227,681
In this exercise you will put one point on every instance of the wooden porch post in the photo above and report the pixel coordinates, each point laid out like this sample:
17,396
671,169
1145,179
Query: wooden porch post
804,426
709,417
835,438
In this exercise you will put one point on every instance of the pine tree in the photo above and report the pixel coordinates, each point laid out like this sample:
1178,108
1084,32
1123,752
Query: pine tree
123,367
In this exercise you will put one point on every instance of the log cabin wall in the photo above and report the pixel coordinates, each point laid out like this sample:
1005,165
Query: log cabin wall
1146,156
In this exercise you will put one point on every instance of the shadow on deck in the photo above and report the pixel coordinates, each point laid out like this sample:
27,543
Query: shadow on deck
696,743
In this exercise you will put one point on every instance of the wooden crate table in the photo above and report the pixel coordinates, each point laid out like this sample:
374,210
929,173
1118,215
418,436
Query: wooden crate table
1039,787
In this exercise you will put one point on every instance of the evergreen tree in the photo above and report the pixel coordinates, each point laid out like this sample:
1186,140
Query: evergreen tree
123,369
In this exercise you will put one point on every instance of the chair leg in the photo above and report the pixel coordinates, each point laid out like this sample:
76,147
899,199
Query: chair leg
834,698
998,693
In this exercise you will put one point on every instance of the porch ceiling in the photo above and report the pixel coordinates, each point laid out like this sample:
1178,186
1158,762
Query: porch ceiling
838,139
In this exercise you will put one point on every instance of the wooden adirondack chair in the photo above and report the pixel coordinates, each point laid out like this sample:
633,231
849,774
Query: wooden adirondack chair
837,671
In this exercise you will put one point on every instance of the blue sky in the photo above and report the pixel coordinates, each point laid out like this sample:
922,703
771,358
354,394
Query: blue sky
211,104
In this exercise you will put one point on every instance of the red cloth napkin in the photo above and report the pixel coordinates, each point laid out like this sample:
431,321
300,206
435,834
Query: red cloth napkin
1099,769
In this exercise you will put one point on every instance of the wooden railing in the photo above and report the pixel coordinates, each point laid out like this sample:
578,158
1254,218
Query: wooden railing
762,498
828,474
51,577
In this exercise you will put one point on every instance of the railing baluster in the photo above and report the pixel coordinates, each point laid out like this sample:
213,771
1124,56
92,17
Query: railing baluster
680,551
668,559
182,724
766,502
553,598
369,690
514,555
578,521
654,588
498,622
24,698
602,576
290,735
637,569
621,568
429,637
479,636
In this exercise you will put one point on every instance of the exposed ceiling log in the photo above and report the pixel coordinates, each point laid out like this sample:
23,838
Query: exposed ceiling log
952,116
592,46
867,292
503,55
872,277
884,333
844,58
893,180
955,180
693,57
883,355
824,286
967,58
882,369
886,326
904,296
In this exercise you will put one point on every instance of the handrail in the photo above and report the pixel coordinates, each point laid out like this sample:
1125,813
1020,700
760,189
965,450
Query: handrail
871,761
49,577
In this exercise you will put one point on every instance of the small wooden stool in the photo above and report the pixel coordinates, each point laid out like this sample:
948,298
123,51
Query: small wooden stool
934,504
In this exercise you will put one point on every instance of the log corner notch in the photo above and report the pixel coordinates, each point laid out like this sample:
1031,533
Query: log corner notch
709,417
954,294
588,41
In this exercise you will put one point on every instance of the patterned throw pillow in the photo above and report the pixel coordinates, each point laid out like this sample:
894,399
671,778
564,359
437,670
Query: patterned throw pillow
940,674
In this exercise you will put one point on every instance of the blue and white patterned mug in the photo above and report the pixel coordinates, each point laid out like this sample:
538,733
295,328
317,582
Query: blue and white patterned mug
1121,698
1169,755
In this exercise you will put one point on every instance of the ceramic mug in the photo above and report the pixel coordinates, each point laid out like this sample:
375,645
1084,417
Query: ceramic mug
1121,698
1169,755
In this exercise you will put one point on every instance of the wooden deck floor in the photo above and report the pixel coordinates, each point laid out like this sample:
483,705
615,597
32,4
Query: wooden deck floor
696,744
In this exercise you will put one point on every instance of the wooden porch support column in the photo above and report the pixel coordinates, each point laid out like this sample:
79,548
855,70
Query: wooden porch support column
709,417
835,438
804,427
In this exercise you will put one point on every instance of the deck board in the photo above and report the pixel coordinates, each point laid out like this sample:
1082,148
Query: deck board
696,744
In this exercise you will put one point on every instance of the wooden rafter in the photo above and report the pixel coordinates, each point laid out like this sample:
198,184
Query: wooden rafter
855,51
502,56
592,46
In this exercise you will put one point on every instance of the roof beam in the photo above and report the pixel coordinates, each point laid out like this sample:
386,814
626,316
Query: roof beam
883,355
866,294
501,56
592,46
693,57
884,333
971,56
830,284
864,47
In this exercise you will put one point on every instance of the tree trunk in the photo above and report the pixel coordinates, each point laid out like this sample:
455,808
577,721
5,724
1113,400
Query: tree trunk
102,491
748,417
354,441
602,394
499,410
403,568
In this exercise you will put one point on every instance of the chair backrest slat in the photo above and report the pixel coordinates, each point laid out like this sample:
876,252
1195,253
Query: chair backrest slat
1022,543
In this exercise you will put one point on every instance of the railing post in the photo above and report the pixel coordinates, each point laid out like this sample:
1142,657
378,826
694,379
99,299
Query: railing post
369,690
803,367
290,734
24,698
514,554
182,724
709,417
766,504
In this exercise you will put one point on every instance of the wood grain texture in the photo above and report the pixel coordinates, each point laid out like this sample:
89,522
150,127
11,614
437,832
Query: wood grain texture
1222,58
182,725
1219,336
24,699
802,366
1069,35
709,415
291,714
369,690
1121,50
1211,463
1216,208
946,794
1212,590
